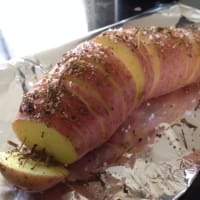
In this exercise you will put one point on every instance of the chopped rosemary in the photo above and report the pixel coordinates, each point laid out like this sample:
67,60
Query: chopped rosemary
102,79
33,148
11,143
42,134
35,165
49,160
188,124
175,124
25,154
95,177
50,92
184,140
125,188
22,144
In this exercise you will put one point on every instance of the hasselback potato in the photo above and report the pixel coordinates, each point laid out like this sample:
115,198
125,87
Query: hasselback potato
80,104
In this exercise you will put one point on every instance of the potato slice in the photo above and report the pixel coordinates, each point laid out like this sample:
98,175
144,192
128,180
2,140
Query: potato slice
54,142
30,174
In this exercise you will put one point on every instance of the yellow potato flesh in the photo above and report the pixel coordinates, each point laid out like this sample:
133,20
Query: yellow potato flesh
29,174
130,60
117,87
52,141
196,59
154,59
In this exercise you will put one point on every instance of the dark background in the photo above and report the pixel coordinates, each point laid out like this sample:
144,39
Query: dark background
104,12
99,13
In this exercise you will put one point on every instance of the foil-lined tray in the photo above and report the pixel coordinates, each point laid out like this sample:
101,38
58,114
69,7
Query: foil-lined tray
160,172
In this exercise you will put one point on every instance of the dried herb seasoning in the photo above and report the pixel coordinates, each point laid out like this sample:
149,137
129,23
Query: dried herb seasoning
184,140
33,154
176,124
50,92
11,143
125,189
188,124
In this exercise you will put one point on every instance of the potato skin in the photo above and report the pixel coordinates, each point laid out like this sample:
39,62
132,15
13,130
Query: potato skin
176,49
27,182
33,180
136,132
81,103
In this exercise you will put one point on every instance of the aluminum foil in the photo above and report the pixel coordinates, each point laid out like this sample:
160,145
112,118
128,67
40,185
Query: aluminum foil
163,171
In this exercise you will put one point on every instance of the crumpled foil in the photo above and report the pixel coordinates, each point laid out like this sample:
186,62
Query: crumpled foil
161,172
